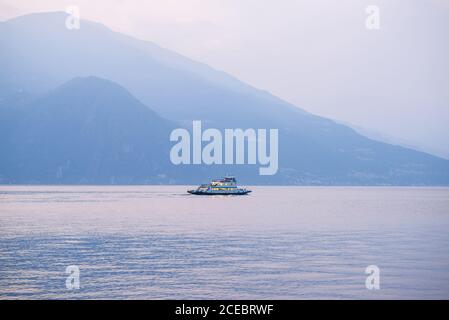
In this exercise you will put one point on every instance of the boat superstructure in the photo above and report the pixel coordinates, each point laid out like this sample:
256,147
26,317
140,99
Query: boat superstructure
225,186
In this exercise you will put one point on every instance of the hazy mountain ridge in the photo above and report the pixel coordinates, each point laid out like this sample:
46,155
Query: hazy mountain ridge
40,54
89,130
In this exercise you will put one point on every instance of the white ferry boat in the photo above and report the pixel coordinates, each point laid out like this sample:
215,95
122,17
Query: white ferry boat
225,186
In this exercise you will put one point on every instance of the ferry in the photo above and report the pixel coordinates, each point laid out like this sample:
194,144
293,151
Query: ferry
225,186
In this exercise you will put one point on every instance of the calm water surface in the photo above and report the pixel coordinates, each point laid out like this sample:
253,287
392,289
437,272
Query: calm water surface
157,242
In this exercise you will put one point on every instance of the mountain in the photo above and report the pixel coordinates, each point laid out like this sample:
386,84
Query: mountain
88,130
39,54
391,139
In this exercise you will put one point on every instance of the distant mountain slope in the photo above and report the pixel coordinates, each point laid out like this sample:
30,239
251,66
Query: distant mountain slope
39,53
89,130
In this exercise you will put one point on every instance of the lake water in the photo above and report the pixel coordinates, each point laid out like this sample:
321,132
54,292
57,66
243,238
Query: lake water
157,242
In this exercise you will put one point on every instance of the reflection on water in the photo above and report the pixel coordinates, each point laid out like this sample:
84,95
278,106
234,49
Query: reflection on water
151,242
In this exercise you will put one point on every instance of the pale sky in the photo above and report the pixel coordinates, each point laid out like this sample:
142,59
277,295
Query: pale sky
317,54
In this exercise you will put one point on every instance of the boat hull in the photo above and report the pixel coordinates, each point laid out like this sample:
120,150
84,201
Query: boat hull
214,193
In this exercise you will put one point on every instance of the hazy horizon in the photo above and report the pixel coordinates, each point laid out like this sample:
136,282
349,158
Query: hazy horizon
393,81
